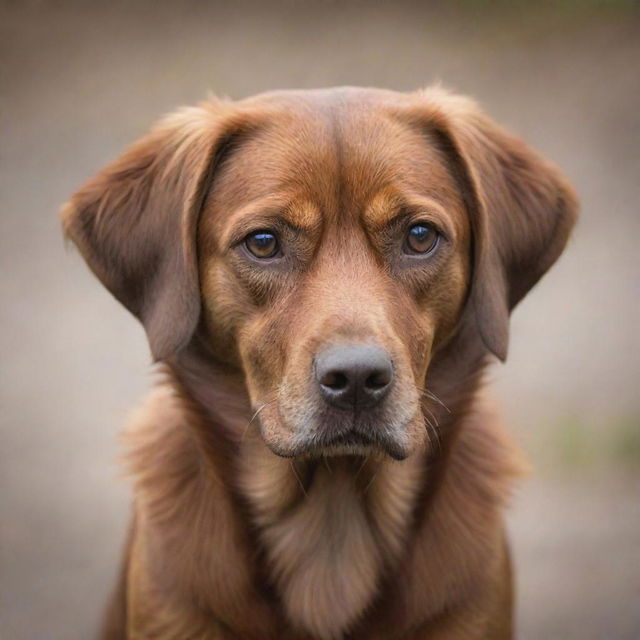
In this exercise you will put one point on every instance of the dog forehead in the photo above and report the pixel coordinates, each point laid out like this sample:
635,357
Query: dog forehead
337,150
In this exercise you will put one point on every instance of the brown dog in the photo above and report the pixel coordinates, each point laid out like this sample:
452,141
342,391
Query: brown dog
324,275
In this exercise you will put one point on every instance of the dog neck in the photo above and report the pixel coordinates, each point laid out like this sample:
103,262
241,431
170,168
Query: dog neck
329,527
330,531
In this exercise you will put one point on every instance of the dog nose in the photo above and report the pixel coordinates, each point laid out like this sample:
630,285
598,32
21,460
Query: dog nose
354,376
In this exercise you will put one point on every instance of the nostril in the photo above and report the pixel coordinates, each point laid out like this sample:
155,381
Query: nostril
335,380
378,380
353,376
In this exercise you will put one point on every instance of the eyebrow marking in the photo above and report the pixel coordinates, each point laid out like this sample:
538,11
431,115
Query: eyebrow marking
383,207
390,205
301,216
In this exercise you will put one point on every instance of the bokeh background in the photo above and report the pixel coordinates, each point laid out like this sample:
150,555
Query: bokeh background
80,80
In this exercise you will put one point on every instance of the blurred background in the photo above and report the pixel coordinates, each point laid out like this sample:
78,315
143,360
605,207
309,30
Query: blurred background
80,80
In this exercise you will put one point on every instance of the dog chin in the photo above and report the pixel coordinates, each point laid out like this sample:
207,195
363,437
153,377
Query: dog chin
287,440
359,450
350,444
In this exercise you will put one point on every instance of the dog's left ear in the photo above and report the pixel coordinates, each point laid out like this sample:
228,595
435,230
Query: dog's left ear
521,206
135,222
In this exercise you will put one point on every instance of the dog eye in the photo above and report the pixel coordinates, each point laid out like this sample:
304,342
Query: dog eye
421,238
262,244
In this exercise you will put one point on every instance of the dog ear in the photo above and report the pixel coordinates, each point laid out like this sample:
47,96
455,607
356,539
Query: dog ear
135,222
521,207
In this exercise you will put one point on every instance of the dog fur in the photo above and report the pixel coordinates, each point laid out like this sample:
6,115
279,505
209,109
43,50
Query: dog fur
245,525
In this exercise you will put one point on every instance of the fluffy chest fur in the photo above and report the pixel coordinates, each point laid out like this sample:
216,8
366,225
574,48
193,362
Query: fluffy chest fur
330,528
321,549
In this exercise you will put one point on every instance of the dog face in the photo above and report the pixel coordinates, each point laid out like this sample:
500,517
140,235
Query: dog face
333,274
327,244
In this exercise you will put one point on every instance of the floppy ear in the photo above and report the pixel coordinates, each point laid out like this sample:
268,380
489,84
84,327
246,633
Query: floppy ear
521,206
135,222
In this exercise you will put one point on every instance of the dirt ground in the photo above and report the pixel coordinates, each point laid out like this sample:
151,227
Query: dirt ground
81,80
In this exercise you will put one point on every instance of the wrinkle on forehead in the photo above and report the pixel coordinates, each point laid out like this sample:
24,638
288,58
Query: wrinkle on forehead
381,152
336,156
292,155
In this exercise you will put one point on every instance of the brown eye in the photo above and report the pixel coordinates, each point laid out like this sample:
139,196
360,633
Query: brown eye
421,238
262,244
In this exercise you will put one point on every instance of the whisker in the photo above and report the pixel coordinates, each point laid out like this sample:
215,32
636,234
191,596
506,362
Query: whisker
253,417
433,396
434,429
295,473
373,477
361,467
433,417
435,433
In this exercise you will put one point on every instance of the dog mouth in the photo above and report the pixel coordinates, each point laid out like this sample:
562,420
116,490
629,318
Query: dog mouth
321,433
356,443
350,439
346,443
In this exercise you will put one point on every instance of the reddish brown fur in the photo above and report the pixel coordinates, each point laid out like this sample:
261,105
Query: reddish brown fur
232,540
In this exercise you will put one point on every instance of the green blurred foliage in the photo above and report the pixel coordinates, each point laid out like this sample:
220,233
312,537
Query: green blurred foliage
574,444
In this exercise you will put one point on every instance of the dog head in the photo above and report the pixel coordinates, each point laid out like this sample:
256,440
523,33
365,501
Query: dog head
327,244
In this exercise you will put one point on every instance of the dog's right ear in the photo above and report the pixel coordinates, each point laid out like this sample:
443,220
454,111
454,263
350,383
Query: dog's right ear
521,207
135,222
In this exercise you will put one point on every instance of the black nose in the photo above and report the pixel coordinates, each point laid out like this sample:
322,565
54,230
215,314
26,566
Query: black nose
354,376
